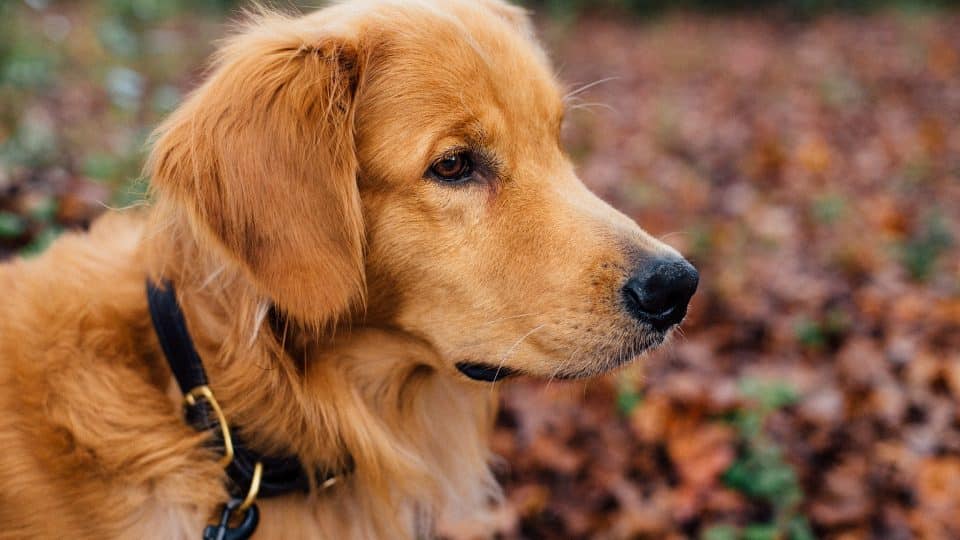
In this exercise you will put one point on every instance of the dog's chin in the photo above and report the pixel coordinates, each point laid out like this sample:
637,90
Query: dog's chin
623,355
604,362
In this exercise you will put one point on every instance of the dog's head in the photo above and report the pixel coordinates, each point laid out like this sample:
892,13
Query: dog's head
398,163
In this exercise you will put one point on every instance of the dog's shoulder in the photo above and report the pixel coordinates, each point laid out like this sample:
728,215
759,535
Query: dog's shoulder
85,285
77,261
82,393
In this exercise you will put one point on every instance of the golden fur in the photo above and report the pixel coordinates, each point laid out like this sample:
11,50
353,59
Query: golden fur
294,178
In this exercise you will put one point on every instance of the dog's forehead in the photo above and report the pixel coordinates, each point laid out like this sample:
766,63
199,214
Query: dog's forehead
459,62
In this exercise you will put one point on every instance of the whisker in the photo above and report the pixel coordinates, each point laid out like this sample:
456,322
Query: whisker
560,366
664,237
589,106
494,321
588,86
506,355
139,203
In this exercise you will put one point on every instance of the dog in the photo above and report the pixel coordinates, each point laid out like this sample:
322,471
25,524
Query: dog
364,218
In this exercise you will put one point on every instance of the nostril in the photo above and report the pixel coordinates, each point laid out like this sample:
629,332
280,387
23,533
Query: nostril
633,293
638,302
660,296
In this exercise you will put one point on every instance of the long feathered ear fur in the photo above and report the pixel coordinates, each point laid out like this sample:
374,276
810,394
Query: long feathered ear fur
262,158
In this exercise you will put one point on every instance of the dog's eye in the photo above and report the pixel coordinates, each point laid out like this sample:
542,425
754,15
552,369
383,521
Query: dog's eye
452,168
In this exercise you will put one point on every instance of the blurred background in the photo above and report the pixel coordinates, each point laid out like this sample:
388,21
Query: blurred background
805,154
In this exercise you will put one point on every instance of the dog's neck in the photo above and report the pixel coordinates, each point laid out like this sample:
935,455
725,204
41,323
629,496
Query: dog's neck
379,396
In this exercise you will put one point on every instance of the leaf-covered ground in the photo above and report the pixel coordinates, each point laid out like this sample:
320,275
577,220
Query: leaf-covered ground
811,170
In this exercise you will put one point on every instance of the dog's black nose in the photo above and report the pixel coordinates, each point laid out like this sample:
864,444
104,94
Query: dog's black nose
658,292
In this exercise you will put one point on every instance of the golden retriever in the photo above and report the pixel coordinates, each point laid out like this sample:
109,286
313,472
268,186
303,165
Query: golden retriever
367,217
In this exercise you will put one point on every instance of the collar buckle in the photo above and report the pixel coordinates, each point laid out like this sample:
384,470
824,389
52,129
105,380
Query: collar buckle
192,399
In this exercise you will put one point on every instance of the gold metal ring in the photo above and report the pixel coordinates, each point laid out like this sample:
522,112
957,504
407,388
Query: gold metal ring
254,488
204,392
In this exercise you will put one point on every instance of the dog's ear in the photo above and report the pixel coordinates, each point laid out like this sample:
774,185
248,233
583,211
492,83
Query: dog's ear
262,158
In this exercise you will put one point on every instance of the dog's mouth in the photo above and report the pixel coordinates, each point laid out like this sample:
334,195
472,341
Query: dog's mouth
624,353
479,371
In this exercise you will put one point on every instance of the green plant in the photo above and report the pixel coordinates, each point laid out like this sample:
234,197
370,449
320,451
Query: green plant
628,394
11,225
828,209
41,241
920,253
818,333
760,471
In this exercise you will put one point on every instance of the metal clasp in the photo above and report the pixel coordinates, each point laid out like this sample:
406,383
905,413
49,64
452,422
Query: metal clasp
204,392
243,531
192,397
254,488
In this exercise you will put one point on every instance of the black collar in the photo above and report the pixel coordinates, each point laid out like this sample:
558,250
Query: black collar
281,474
